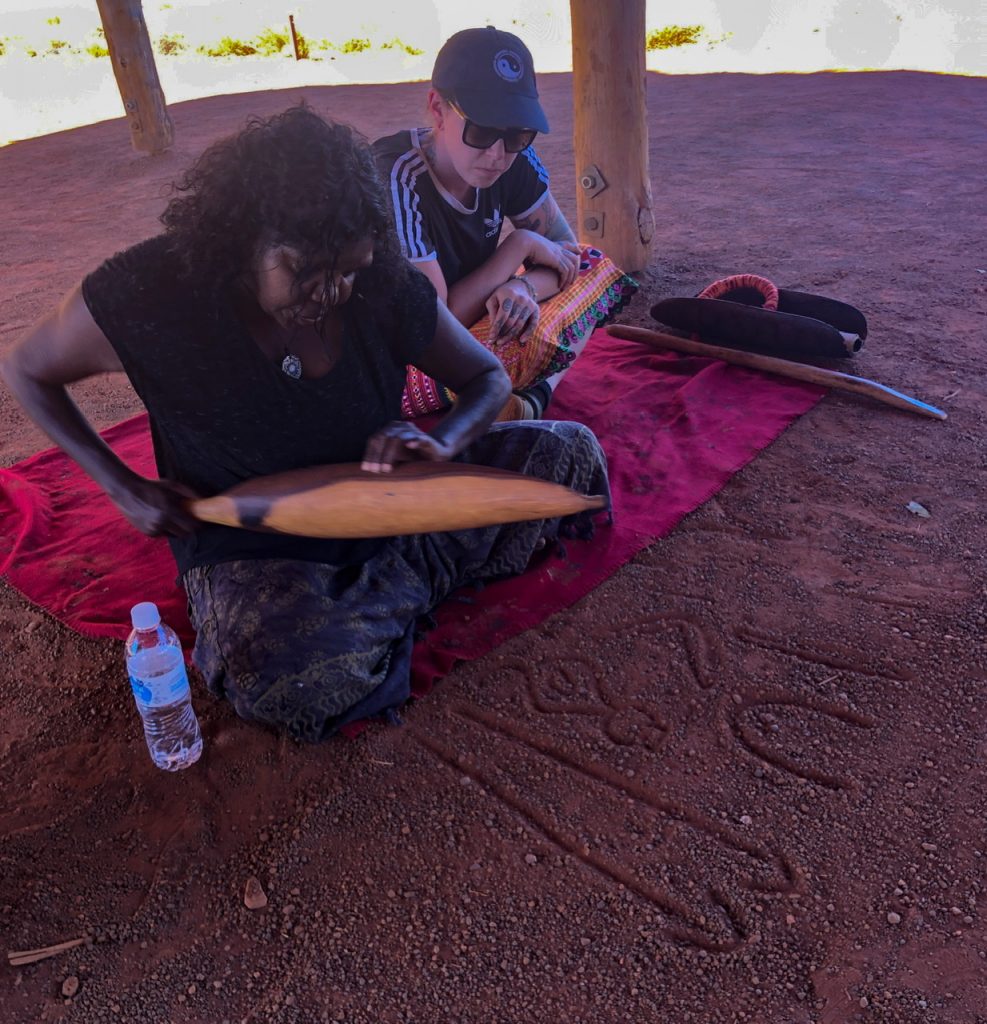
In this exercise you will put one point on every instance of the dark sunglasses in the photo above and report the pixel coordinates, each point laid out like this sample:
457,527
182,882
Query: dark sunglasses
479,136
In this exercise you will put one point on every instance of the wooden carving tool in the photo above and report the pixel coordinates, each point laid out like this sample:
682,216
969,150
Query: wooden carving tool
342,501
781,367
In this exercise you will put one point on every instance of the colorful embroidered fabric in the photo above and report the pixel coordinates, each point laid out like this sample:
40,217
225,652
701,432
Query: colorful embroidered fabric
600,291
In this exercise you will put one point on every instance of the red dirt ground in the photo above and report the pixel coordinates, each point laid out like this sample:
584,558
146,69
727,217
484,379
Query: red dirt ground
776,814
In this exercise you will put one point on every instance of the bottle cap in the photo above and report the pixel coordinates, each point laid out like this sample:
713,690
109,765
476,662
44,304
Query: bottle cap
145,615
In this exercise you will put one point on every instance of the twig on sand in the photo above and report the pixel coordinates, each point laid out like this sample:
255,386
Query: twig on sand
29,956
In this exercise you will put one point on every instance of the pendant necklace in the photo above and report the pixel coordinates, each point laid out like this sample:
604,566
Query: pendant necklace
291,365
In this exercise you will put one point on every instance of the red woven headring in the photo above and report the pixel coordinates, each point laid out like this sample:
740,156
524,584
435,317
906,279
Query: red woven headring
719,289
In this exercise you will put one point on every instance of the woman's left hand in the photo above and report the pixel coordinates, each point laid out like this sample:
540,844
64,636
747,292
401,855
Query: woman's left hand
513,312
402,442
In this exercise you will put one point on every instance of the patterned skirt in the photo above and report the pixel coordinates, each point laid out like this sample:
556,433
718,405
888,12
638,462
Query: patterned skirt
308,647
600,291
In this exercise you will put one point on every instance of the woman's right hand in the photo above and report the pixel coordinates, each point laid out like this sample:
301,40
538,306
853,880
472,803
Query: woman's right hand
562,257
157,507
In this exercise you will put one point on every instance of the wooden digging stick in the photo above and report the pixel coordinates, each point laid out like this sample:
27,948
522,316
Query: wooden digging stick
782,367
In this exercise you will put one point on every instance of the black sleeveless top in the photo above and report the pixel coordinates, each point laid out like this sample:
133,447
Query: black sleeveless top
222,412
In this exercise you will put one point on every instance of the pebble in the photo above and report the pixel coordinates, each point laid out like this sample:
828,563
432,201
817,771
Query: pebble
530,858
929,847
70,986
894,918
746,819
254,897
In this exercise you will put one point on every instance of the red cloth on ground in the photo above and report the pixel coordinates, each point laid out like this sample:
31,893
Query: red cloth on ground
675,428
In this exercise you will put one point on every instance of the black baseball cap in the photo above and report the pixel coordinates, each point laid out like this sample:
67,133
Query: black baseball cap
489,74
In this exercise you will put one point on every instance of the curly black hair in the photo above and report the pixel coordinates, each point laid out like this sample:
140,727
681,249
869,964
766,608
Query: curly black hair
293,179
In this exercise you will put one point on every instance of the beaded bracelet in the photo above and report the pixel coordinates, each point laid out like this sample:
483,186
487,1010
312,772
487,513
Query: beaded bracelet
527,284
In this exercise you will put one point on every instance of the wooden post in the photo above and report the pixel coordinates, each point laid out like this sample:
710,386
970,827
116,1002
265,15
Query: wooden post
151,130
613,189
294,36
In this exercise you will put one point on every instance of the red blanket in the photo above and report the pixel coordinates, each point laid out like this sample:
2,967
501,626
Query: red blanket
674,428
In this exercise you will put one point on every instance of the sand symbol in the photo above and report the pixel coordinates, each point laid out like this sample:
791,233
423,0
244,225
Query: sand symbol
676,844
765,724
576,688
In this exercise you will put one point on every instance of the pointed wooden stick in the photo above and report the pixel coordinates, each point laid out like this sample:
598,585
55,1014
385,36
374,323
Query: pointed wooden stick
29,956
781,367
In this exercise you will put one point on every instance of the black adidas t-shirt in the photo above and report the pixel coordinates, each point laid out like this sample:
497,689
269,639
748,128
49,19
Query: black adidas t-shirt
432,224
222,411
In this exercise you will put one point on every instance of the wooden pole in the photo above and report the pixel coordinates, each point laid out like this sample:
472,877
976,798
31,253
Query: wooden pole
782,367
613,194
294,36
151,130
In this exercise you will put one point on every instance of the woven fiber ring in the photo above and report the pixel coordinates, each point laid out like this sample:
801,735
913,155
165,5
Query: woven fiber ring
718,289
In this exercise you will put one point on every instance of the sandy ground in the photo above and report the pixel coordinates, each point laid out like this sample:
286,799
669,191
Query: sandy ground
777,813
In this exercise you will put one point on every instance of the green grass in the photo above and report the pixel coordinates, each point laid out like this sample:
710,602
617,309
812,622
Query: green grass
355,46
169,45
269,42
228,47
398,44
670,36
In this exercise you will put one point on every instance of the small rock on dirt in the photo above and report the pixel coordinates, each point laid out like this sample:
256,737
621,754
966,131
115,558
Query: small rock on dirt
254,897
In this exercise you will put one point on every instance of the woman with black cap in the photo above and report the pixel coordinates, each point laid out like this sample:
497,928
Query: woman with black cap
452,186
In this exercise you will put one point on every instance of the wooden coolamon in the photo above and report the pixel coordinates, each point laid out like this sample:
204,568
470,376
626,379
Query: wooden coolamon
151,130
613,187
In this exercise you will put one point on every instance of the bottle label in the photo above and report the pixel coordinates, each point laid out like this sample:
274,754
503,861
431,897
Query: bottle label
162,690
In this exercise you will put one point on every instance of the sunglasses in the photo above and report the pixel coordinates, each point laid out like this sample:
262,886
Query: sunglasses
479,136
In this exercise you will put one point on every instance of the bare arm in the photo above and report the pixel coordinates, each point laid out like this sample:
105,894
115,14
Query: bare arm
68,346
552,266
467,298
511,304
474,373
481,384
547,219
544,240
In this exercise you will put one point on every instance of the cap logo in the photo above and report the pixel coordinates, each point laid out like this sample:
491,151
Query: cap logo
508,66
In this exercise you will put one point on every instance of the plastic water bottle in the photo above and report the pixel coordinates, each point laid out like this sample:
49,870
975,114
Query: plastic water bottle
158,678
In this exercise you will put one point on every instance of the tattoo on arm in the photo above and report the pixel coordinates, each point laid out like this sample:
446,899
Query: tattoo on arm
548,220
